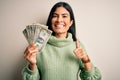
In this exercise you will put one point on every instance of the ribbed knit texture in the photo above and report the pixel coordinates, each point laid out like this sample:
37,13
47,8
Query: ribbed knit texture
58,62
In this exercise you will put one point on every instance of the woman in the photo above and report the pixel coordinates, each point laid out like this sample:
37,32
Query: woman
63,56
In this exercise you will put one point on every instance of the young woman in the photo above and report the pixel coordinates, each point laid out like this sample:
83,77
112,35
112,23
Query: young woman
63,56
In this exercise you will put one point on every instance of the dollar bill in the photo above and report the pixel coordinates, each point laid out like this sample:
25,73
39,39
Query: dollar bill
38,34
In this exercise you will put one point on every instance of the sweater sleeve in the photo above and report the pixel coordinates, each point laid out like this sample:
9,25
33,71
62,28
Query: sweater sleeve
94,74
28,74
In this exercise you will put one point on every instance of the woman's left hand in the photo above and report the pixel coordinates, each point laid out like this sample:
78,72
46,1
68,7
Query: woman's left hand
79,52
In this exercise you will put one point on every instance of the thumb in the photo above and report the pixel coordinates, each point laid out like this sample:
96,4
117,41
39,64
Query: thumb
77,43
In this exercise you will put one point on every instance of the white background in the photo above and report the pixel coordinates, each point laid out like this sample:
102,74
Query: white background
98,27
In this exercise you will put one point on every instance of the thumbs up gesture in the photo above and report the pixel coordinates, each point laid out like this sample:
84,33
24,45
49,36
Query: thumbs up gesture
80,53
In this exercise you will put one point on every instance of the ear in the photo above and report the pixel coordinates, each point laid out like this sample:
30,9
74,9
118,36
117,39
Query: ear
71,22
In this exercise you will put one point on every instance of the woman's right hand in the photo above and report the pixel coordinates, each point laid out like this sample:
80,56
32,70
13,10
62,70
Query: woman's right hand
30,55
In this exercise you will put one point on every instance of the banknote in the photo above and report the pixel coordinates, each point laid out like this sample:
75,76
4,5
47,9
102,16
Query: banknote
38,34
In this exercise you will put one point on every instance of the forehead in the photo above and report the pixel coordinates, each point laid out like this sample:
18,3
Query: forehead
61,10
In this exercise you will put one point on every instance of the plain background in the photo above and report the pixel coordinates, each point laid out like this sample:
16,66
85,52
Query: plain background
98,28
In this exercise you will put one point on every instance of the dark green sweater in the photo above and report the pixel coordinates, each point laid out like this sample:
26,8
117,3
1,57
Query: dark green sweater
58,62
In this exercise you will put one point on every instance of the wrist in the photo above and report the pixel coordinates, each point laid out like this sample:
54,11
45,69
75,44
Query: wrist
32,66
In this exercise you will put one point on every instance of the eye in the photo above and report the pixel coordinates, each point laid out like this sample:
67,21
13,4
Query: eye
54,15
64,15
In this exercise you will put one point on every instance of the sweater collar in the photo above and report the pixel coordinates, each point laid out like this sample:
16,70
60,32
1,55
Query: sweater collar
60,42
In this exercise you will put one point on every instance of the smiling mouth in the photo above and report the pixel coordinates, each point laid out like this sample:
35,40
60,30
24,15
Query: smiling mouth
59,26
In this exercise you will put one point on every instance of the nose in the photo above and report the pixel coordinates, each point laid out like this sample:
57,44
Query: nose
59,19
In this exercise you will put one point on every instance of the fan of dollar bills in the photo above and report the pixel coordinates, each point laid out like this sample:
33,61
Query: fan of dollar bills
38,34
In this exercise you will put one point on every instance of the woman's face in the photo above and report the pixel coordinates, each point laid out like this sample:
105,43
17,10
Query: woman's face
61,21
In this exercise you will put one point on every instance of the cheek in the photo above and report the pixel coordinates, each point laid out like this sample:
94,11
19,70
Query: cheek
69,23
52,23
53,20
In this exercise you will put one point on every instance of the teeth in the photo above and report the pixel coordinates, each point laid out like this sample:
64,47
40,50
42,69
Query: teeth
59,26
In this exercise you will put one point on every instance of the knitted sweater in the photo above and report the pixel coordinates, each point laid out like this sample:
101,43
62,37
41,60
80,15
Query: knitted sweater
58,62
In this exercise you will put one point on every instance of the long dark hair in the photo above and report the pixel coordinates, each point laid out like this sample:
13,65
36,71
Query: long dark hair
72,28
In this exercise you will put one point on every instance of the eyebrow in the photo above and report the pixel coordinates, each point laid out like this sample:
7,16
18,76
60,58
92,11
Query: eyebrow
61,14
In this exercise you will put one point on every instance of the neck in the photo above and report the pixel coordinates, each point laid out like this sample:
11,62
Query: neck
61,35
